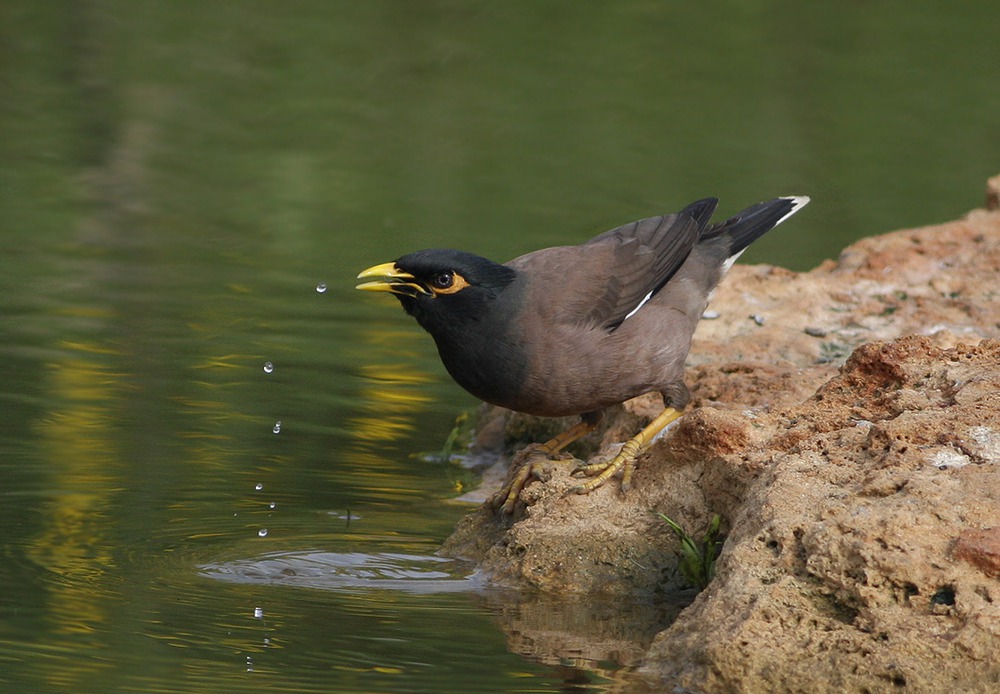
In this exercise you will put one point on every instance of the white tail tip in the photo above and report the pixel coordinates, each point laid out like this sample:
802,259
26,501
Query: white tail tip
798,202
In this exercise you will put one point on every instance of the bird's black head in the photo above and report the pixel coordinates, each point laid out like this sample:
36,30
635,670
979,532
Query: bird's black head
442,289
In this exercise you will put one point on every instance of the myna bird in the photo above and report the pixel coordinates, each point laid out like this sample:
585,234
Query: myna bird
572,330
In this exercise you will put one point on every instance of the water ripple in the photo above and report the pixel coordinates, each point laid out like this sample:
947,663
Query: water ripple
350,571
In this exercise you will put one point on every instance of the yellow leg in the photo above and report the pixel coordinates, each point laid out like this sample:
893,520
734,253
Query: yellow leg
538,454
600,473
574,433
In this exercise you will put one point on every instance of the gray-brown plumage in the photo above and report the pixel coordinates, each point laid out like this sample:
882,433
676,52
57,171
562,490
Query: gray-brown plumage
574,329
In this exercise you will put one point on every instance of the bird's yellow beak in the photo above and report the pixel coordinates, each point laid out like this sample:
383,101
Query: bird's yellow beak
389,278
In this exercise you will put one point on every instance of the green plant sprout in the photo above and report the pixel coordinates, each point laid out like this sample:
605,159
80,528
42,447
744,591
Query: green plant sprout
697,559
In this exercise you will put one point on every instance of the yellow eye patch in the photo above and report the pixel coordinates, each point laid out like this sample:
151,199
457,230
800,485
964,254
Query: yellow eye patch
447,283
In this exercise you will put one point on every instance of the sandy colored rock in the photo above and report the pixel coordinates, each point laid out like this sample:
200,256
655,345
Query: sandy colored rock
840,566
845,423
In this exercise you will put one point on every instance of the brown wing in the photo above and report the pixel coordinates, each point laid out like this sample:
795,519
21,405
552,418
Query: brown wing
599,283
632,262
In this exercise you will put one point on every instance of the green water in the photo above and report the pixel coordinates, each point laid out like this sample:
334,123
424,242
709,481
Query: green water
177,179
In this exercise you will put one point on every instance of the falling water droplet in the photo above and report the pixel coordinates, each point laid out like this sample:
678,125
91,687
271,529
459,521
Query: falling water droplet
262,532
257,487
268,367
321,287
277,427
249,664
272,505
258,613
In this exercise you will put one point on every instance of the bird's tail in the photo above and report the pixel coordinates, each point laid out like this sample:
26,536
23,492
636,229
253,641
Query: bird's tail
753,222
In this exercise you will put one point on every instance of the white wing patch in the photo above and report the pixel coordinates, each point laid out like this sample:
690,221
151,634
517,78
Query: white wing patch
641,304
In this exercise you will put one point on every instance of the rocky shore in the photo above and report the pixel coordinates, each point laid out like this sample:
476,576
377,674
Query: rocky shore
845,424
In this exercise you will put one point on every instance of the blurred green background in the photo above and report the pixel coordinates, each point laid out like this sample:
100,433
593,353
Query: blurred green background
176,180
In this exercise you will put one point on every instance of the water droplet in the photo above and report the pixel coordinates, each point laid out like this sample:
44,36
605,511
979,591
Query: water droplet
321,287
257,487
272,505
267,642
258,613
249,664
262,532
268,367
277,427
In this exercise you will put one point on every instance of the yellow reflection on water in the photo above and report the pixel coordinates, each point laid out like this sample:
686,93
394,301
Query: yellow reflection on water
88,347
72,542
225,361
404,374
390,394
388,415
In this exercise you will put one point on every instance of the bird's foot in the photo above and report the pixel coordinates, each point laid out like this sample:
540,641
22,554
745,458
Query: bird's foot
601,472
534,462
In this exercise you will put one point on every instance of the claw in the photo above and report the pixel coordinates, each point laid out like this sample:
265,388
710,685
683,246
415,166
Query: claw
534,467
537,456
535,459
627,469
599,473
513,490
588,469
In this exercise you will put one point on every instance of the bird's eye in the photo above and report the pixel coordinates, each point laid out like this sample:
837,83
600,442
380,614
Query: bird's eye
447,282
443,280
